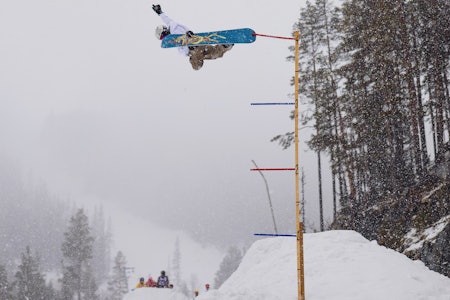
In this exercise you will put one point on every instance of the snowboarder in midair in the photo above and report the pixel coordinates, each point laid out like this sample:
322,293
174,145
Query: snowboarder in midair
196,54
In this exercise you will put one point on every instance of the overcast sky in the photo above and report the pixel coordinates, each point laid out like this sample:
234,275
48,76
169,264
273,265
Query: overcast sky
94,107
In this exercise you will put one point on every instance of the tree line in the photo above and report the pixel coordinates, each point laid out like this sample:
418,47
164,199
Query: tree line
52,250
374,74
78,281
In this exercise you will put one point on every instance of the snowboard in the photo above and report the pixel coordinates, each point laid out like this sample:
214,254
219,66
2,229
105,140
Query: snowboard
233,36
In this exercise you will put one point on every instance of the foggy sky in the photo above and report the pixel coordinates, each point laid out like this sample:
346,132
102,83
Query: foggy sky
93,106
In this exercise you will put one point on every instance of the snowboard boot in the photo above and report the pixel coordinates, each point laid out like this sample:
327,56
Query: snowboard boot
228,46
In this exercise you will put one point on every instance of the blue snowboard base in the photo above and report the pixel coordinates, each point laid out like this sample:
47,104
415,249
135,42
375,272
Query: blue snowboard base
233,36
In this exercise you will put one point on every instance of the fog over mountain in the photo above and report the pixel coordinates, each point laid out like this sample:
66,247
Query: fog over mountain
91,105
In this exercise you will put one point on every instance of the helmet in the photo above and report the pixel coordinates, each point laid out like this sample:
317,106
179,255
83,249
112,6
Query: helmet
161,31
163,272
142,279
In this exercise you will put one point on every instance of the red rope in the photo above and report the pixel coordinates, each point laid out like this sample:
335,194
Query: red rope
274,36
272,169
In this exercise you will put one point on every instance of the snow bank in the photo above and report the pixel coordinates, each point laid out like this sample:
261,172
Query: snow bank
154,294
339,265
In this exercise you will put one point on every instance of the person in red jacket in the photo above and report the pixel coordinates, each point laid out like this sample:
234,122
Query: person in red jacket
150,282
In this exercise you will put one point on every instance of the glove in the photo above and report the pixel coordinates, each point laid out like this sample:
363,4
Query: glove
157,9
189,34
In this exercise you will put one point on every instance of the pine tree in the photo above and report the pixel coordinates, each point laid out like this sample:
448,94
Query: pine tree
118,282
229,264
77,254
30,282
5,287
318,26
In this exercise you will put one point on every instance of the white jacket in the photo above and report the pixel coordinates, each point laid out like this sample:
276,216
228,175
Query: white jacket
176,28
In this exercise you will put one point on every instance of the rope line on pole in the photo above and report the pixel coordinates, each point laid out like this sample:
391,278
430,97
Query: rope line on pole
272,169
272,103
274,234
274,36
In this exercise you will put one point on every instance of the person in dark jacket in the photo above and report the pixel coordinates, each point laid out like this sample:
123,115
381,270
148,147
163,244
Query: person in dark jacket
163,280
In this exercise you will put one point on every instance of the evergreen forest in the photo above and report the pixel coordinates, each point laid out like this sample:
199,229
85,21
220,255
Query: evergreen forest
374,79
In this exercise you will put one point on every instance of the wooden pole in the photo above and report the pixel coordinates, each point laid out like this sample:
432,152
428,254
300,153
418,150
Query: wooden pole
300,263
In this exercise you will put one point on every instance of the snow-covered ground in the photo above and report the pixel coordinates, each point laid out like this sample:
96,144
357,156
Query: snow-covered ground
339,265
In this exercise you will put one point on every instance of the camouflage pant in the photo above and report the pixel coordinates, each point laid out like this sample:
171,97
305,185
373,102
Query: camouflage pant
199,53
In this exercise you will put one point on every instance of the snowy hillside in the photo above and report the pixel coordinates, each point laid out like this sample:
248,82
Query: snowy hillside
339,265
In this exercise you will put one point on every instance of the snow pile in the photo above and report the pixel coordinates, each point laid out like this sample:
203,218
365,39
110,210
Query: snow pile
154,294
339,265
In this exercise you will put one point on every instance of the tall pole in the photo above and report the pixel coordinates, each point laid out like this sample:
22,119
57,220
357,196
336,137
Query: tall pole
300,263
